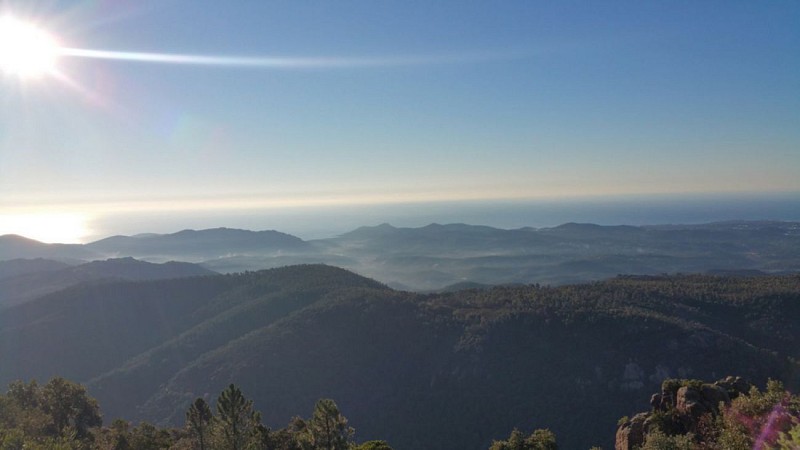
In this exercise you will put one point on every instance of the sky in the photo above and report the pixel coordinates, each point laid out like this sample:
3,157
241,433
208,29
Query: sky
279,106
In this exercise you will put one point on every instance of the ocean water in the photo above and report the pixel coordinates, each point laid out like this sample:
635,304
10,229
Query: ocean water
329,221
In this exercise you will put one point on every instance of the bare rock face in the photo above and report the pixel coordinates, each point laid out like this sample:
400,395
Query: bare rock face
695,401
690,402
734,386
630,435
714,394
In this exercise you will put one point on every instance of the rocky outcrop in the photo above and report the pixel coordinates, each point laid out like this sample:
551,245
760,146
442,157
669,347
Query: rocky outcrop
678,408
630,434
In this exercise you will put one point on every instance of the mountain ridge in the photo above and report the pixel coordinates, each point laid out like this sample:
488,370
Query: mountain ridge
198,244
291,335
13,246
36,278
435,256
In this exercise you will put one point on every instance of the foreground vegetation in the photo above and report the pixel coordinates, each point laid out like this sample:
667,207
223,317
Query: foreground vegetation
60,415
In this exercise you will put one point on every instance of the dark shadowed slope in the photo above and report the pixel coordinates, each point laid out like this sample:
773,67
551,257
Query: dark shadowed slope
406,366
21,266
261,299
133,269
89,329
31,283
15,247
478,363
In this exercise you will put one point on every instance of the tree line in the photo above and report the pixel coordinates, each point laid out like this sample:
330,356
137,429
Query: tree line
61,415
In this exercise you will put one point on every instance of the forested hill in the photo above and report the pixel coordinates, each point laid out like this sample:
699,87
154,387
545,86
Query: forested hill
25,279
448,371
436,257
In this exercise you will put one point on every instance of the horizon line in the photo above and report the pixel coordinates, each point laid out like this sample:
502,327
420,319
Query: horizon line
265,201
384,224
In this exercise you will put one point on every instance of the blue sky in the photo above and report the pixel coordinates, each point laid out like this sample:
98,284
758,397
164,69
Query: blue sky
460,100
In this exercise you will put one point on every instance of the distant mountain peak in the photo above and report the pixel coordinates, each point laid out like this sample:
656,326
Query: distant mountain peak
577,226
14,246
20,239
132,268
199,245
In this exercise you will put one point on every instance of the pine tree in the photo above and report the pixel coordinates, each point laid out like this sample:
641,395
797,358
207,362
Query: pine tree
328,428
198,419
235,419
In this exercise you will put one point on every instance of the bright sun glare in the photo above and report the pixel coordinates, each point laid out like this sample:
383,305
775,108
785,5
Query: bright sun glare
46,227
25,50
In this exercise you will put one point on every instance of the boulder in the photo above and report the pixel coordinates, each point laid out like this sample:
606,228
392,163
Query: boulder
713,395
630,435
689,402
734,386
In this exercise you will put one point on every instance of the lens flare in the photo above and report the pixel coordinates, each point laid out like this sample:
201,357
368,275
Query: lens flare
279,62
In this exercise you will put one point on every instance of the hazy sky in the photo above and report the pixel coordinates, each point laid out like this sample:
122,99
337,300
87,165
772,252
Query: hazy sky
378,101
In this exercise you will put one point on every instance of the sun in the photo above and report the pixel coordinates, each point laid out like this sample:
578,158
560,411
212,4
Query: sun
57,227
25,50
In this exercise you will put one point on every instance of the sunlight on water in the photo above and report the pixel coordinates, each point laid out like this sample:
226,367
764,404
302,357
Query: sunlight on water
46,227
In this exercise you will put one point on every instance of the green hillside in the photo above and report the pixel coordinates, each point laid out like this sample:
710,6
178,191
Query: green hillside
452,371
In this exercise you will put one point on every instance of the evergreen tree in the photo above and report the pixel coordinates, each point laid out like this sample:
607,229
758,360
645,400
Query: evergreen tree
541,439
263,439
328,428
115,437
235,419
198,419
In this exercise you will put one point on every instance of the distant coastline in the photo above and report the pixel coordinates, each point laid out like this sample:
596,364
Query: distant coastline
330,221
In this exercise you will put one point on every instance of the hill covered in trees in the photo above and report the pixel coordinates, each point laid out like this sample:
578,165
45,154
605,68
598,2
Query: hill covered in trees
26,279
453,370
435,257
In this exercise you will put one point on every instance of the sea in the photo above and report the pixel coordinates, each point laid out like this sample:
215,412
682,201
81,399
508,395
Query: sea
317,222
